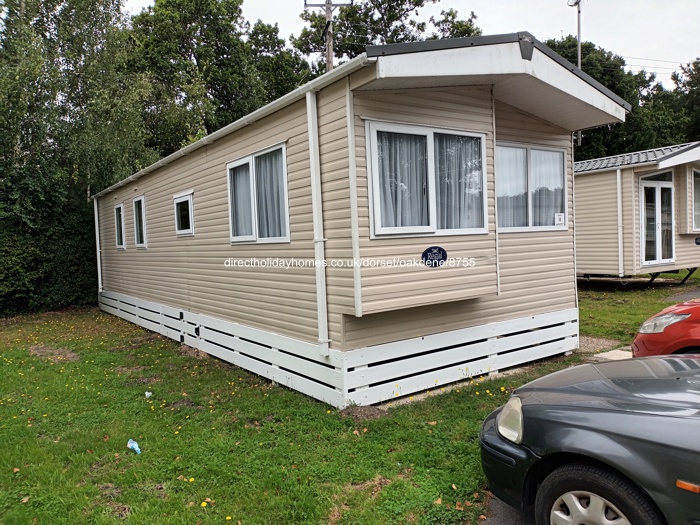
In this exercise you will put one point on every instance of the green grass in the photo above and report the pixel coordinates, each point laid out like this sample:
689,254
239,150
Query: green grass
215,434
614,309
72,395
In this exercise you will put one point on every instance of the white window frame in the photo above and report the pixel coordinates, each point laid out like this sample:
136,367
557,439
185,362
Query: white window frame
144,244
182,197
530,228
119,223
694,173
250,161
371,129
645,182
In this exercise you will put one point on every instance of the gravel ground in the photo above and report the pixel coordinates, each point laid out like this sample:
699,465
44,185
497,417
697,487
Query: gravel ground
591,345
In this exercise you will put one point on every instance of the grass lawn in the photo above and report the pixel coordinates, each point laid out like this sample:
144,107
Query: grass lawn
220,445
614,309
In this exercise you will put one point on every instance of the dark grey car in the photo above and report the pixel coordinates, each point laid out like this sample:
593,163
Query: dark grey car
608,443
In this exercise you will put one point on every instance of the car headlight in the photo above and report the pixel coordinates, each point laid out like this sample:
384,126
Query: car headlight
510,421
656,325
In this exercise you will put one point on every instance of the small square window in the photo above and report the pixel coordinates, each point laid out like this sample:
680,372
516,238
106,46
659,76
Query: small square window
184,217
119,225
140,222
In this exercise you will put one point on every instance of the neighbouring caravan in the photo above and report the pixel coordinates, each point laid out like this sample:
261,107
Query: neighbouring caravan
292,242
638,213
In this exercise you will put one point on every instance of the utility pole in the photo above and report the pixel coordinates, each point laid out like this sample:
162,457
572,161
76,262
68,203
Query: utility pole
577,4
328,31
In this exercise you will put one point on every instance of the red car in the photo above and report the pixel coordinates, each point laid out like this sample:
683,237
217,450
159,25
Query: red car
674,330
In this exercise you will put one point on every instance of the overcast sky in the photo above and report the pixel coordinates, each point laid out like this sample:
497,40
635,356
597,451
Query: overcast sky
655,34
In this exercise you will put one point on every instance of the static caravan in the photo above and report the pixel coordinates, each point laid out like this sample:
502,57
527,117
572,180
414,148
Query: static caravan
638,213
401,222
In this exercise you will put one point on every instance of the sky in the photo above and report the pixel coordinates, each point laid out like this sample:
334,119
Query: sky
656,35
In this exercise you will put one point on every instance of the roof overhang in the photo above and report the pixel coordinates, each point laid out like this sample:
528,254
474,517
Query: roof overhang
691,154
524,73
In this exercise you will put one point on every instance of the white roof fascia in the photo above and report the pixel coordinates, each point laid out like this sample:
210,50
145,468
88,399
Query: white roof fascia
498,59
293,96
691,154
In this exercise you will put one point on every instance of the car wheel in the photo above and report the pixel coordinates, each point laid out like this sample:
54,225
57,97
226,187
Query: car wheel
587,495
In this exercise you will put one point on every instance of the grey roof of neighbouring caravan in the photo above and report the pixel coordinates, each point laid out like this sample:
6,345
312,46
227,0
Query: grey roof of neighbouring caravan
649,156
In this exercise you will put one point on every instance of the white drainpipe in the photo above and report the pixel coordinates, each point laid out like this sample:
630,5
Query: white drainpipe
319,241
97,244
620,228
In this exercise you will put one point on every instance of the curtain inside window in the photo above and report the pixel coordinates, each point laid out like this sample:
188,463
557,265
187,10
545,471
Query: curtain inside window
666,223
511,187
138,221
269,181
458,170
403,179
242,212
547,186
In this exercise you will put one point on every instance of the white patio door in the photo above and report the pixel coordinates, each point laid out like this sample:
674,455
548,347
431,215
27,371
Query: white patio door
658,225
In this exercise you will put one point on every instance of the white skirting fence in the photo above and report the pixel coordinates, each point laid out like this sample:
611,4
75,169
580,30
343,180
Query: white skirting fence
366,375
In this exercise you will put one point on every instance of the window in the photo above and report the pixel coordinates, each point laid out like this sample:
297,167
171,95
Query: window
184,217
696,200
257,186
657,222
140,222
530,188
427,180
119,225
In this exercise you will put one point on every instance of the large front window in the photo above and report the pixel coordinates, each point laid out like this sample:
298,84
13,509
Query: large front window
258,209
530,188
427,180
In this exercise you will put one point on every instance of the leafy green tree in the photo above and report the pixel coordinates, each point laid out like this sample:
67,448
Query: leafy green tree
688,89
279,68
375,22
449,26
655,119
202,70
71,124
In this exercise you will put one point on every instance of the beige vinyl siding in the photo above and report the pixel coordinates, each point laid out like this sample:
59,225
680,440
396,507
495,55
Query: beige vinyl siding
388,288
536,268
595,214
630,222
687,252
335,182
188,272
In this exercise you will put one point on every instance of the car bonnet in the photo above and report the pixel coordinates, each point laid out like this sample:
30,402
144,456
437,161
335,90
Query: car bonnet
658,385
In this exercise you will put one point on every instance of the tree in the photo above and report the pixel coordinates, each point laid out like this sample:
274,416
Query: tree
449,26
688,89
280,69
202,70
655,119
376,22
69,125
